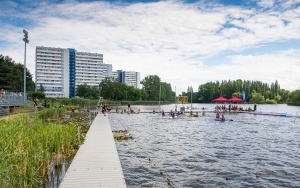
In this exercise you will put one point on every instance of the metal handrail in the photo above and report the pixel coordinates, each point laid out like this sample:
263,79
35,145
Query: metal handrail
12,99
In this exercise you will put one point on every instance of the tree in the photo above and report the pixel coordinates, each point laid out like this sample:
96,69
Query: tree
257,98
38,95
205,93
86,91
295,96
82,90
151,85
133,93
94,92
237,94
108,88
12,76
166,92
112,89
41,88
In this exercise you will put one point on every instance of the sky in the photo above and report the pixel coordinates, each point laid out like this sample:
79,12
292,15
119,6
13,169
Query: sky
185,43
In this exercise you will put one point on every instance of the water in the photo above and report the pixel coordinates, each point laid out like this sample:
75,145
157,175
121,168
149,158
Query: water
56,176
251,151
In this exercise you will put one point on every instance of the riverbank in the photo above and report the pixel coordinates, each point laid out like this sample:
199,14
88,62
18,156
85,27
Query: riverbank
33,145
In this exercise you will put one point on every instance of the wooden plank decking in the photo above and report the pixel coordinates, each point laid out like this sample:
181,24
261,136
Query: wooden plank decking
96,163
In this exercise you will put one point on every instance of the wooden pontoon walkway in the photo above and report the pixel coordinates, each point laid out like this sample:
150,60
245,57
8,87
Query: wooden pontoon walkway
96,163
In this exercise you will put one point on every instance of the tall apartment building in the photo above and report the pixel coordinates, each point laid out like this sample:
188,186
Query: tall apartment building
59,71
128,77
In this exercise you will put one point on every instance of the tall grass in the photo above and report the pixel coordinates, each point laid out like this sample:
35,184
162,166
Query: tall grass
81,102
31,146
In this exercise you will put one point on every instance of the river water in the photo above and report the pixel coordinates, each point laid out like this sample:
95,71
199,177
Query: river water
250,151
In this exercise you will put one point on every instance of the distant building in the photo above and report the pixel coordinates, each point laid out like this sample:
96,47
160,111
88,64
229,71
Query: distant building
130,78
59,71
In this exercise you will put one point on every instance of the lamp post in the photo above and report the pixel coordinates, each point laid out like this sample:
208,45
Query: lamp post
25,39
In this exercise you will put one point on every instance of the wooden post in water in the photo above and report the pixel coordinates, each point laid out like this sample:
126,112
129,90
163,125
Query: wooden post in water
78,134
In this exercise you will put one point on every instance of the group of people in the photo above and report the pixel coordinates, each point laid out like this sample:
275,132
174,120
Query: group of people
234,108
218,116
131,111
103,109
172,114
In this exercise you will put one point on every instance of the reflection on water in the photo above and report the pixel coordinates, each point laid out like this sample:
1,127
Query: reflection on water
251,151
56,175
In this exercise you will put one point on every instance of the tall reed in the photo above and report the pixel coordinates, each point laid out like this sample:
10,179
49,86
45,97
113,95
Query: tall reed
30,146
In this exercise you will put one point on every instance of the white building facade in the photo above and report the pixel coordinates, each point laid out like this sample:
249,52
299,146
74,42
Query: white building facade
59,71
130,78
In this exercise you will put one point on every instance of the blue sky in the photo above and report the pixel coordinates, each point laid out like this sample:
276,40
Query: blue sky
185,43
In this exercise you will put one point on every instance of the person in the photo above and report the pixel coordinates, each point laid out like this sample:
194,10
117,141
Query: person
129,109
133,112
163,113
35,103
104,109
191,114
218,114
223,117
101,108
173,115
254,107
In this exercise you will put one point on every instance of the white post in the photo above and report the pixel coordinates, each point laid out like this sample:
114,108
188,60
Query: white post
25,39
25,76
78,135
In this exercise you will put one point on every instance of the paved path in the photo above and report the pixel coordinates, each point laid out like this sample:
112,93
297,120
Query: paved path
96,163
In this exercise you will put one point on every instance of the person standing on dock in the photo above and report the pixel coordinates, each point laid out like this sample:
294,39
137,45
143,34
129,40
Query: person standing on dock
129,109
104,109
101,109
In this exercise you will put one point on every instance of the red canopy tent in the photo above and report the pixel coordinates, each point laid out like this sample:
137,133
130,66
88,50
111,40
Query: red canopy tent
220,100
235,100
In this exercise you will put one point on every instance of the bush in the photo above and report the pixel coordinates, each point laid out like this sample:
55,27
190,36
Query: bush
38,95
272,101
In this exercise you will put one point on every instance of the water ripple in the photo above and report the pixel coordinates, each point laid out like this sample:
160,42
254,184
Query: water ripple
251,151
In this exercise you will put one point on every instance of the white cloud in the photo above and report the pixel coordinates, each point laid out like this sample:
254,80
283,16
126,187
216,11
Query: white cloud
168,38
266,3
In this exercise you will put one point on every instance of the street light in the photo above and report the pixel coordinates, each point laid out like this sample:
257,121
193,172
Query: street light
25,39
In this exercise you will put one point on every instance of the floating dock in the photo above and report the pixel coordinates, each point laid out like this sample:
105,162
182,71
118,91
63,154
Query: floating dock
96,163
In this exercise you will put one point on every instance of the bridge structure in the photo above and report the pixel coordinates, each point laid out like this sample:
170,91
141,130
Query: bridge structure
96,163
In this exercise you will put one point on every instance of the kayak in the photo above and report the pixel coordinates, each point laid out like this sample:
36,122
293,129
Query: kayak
173,117
219,119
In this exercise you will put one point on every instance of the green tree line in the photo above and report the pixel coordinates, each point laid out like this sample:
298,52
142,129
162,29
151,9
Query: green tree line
256,92
111,89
